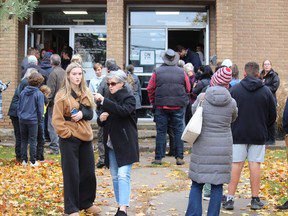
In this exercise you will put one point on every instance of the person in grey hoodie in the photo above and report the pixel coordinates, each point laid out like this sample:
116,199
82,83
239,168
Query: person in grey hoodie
30,112
211,154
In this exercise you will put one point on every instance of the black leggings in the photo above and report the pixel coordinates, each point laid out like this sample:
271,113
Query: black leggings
78,167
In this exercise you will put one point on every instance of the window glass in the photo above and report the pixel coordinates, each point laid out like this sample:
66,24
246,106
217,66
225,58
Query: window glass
146,47
169,18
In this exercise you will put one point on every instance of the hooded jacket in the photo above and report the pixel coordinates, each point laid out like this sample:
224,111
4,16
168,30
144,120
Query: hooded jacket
256,111
211,154
31,105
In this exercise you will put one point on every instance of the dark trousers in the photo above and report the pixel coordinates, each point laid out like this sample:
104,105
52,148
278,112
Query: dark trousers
17,134
188,114
78,168
100,142
195,200
162,117
28,135
271,134
40,142
172,150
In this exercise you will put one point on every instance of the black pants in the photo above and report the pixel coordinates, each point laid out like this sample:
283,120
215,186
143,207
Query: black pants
40,141
271,134
78,167
188,114
29,136
172,148
17,134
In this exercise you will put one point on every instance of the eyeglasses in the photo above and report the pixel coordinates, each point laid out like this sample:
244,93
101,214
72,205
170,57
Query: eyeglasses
112,83
267,64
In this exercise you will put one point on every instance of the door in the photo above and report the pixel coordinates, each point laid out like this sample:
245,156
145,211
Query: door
90,43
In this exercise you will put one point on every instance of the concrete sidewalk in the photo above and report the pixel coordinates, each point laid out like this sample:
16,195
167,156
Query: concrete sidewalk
162,190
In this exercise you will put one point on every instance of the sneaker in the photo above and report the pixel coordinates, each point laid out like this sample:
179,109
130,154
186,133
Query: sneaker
157,162
100,165
35,164
228,205
24,163
180,161
283,207
256,204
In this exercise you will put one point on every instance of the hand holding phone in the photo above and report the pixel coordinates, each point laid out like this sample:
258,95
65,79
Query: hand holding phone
74,111
8,83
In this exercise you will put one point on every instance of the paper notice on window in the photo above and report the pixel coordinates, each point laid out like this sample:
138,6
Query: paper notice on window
147,57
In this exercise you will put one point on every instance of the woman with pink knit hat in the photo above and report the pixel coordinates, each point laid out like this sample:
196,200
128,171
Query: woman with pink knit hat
211,154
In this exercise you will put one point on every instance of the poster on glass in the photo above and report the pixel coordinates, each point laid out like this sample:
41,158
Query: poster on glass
147,57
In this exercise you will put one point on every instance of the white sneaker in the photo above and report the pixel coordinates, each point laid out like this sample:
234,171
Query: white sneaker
24,163
36,164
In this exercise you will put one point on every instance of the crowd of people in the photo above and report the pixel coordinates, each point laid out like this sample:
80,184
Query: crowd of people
238,121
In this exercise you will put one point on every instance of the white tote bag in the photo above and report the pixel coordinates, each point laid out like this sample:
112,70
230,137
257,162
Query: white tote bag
194,126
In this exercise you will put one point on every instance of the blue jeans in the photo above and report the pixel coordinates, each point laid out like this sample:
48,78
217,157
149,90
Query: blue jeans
121,180
195,200
54,145
28,135
162,117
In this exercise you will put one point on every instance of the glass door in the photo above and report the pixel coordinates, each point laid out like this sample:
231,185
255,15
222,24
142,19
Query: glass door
90,43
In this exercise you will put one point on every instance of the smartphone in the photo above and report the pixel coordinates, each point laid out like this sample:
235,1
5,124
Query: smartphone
74,111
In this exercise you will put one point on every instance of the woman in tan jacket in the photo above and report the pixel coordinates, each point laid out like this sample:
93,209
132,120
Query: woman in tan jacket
73,108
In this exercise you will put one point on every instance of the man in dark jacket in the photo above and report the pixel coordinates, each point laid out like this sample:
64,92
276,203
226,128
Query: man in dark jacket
285,127
54,82
256,113
33,63
168,91
189,56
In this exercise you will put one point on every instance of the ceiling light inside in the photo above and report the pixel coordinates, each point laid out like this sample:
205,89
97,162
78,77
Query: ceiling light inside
75,12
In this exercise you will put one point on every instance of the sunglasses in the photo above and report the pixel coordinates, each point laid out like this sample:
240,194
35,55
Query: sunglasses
112,83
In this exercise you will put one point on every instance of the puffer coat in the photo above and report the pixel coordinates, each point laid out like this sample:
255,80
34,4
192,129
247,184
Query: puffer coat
211,156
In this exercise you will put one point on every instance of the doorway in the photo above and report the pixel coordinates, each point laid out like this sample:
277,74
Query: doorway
187,38
48,39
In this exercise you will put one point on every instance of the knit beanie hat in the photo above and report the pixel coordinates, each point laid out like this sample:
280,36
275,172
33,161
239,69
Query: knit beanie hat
222,77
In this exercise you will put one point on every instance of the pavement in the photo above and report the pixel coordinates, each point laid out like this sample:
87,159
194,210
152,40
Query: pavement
164,190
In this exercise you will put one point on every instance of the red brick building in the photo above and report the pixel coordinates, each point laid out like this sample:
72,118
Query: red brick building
129,30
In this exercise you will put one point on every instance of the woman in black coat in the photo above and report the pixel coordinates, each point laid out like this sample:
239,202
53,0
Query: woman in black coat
120,136
271,80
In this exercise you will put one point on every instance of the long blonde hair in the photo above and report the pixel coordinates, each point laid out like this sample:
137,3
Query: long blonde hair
82,87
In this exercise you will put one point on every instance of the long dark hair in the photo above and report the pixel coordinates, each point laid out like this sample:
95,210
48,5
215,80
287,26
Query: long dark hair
207,72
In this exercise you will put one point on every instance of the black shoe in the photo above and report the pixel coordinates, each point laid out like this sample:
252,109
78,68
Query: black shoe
283,207
100,165
228,205
256,204
120,213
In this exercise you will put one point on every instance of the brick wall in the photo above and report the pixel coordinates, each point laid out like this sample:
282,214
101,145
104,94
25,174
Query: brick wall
212,35
9,64
116,31
253,31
